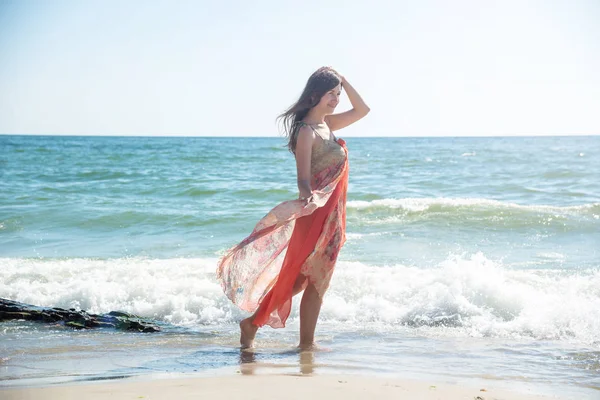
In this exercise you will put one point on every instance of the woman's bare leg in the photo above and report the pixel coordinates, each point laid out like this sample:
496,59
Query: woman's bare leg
310,307
248,329
299,284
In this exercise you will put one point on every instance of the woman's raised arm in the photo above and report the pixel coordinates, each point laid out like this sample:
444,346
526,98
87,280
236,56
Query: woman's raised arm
358,111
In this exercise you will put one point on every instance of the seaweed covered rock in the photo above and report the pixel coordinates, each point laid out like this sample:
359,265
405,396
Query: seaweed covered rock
78,319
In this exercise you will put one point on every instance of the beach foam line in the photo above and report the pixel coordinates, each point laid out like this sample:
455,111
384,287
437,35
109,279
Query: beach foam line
475,212
415,204
463,296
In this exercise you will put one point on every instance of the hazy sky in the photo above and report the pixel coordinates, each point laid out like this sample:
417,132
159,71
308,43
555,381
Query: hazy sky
229,67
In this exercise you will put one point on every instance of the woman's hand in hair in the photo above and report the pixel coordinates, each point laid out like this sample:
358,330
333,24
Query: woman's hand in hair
358,111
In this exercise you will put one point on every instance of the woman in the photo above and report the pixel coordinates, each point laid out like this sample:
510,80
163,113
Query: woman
295,246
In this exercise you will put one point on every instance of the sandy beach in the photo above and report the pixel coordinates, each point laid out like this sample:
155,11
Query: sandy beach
332,387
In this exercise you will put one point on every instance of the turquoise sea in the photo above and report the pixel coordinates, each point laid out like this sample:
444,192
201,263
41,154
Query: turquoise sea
467,258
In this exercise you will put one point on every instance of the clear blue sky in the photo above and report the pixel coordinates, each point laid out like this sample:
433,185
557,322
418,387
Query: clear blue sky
229,67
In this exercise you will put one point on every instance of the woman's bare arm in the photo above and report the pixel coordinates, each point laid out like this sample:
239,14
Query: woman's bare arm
358,111
303,155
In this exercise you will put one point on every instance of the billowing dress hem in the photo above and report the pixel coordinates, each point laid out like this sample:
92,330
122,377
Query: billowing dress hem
261,270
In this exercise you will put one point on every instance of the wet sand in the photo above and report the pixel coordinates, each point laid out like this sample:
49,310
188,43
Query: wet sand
240,386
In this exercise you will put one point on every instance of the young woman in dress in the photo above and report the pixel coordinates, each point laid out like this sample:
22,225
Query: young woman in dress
295,246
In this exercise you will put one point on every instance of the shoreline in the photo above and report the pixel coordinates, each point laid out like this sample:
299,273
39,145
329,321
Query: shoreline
263,385
130,371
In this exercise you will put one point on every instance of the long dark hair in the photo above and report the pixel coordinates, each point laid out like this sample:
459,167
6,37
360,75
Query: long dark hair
320,82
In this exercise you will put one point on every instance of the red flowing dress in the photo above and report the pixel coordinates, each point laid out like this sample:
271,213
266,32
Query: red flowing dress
291,239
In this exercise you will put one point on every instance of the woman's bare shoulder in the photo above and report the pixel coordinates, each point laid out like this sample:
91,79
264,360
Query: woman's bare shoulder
305,132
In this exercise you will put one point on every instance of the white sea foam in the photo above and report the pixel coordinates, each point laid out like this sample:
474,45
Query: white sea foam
416,204
180,290
470,296
474,295
356,235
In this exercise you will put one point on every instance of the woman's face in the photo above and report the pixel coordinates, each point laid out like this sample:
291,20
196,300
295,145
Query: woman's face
330,100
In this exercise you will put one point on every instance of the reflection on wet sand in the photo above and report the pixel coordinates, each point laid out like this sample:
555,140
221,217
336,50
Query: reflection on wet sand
249,365
247,361
307,362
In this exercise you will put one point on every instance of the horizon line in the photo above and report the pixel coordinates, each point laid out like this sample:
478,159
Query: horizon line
282,136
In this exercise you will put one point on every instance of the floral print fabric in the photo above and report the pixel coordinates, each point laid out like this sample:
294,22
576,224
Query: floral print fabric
292,238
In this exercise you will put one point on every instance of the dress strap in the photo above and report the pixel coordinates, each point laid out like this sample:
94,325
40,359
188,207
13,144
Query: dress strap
302,123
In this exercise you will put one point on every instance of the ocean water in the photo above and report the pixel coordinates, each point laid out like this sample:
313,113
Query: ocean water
467,258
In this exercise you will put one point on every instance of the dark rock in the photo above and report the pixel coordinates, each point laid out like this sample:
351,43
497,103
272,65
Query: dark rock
13,310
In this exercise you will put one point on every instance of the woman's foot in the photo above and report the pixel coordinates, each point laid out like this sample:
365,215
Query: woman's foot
247,333
307,346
